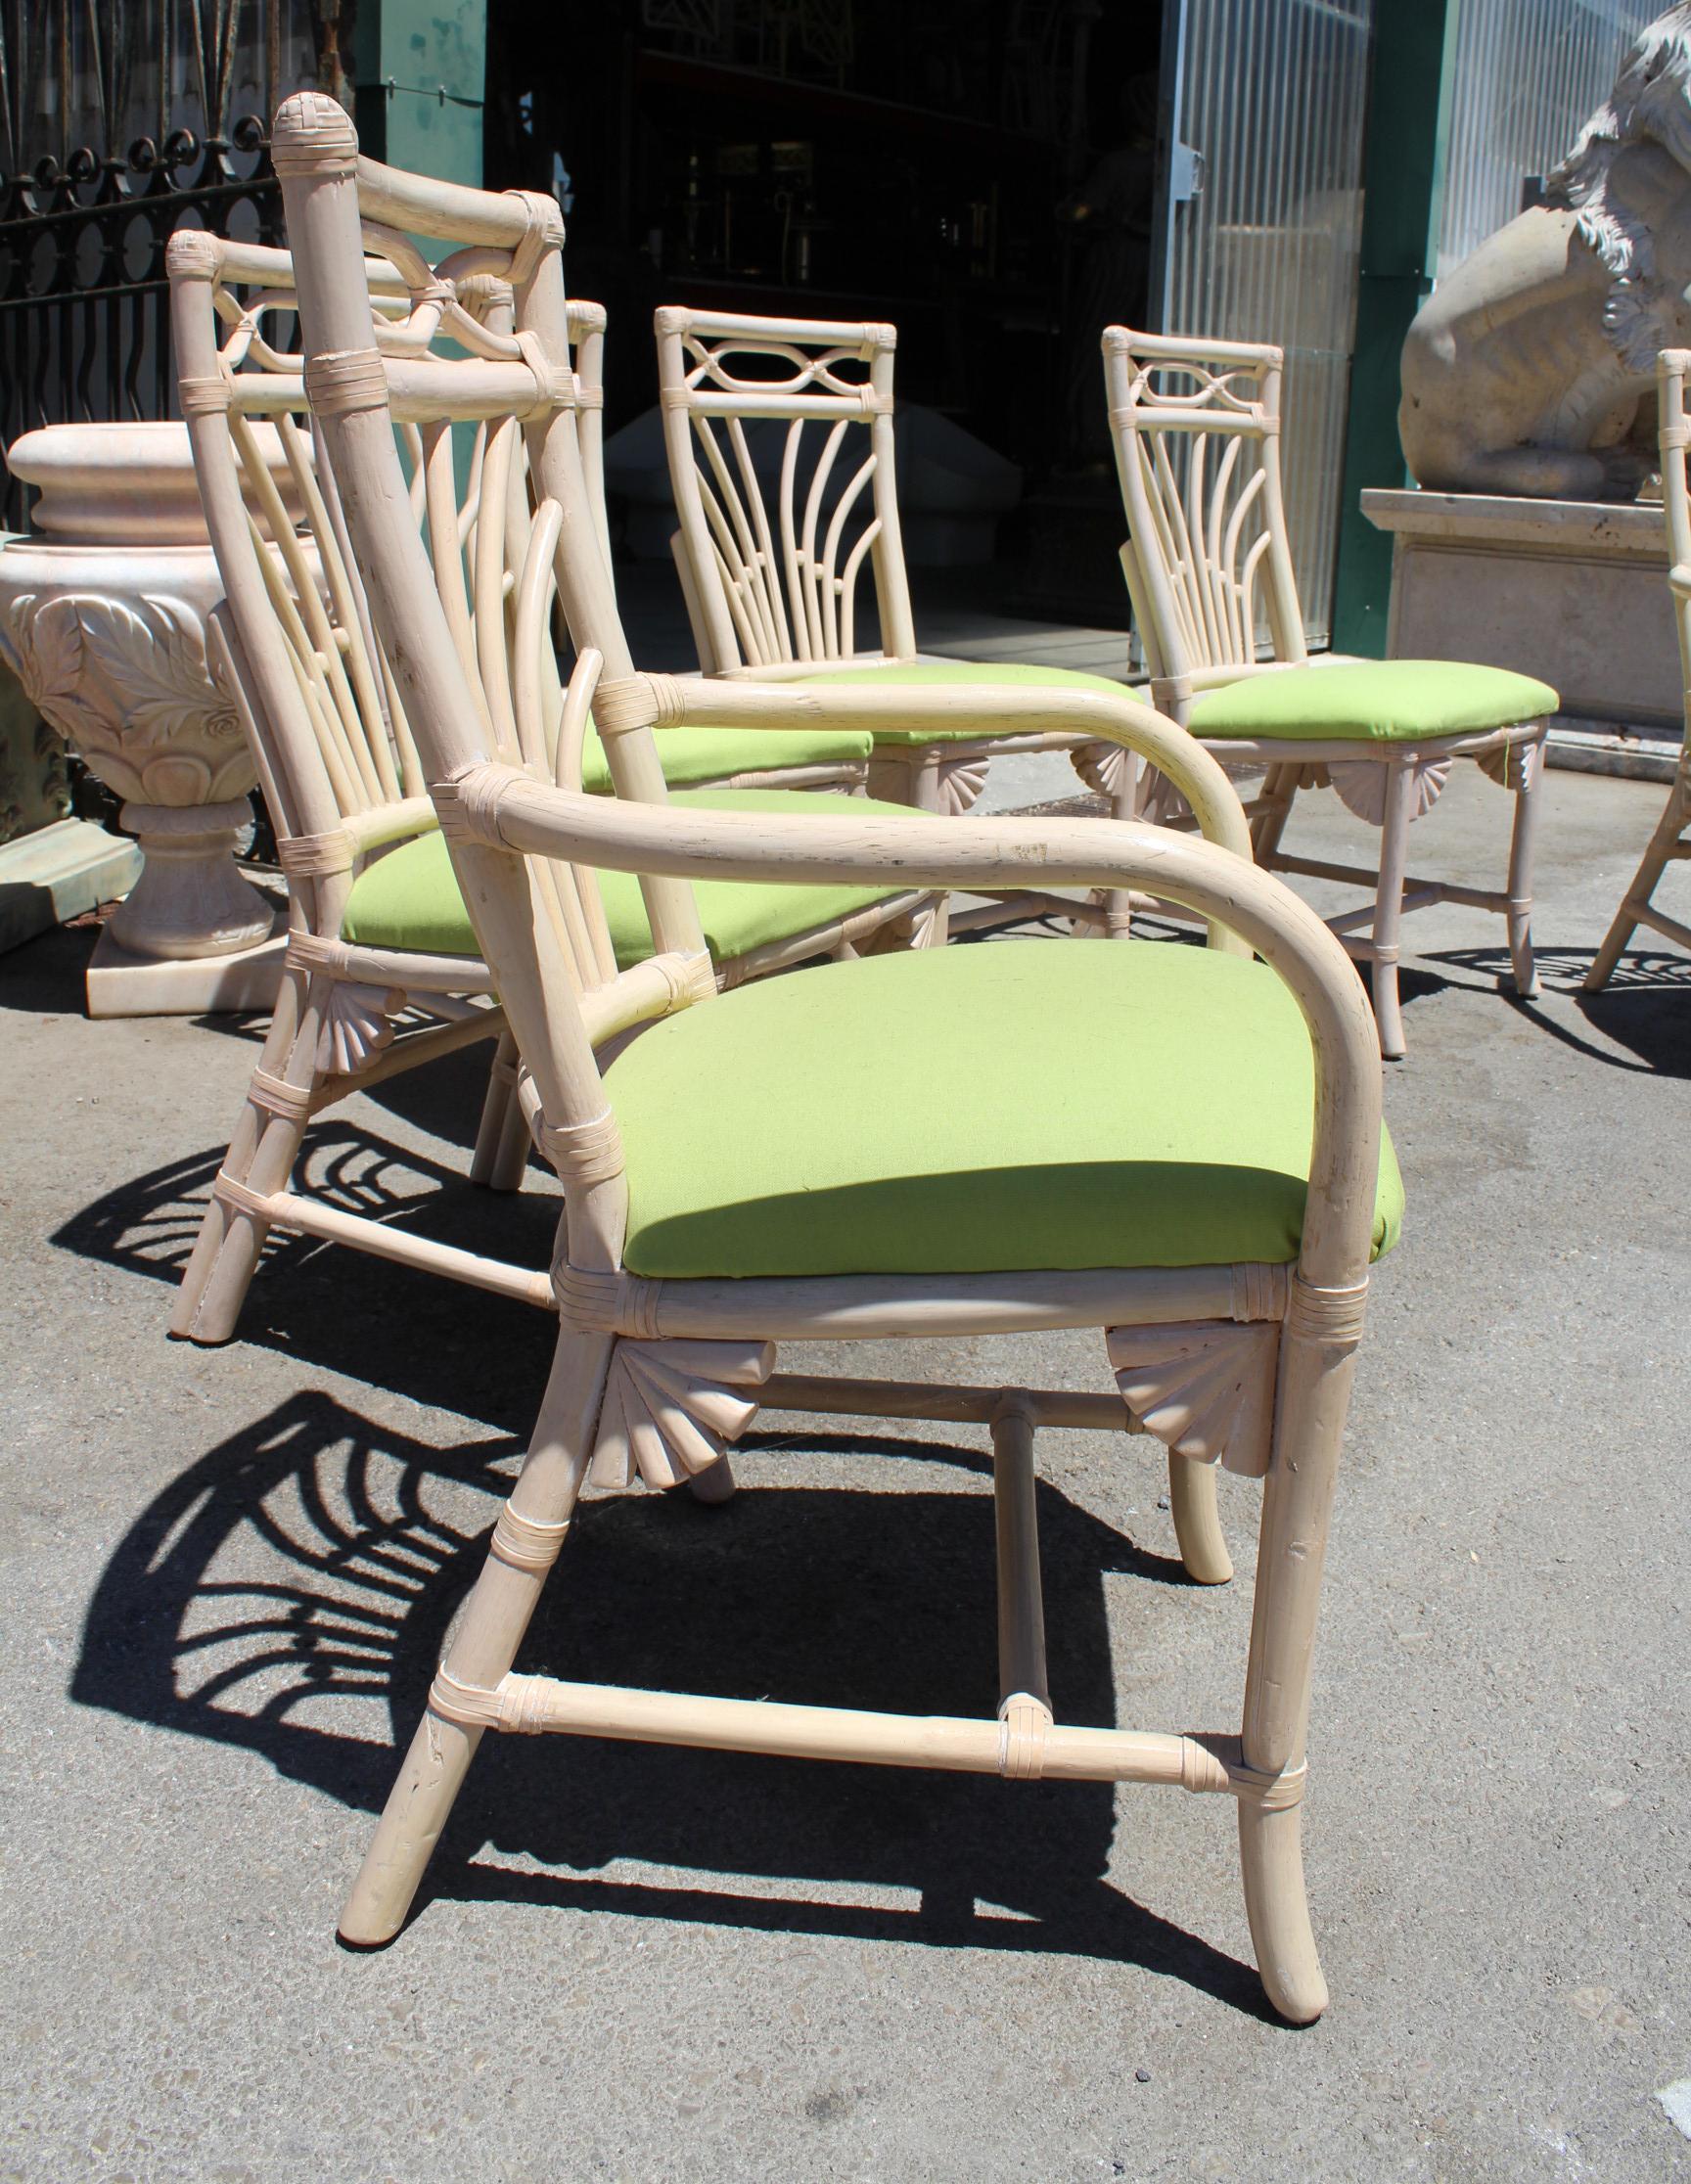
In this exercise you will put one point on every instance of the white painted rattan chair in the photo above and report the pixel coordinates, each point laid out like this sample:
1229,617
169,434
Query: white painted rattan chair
380,937
1196,432
772,560
1670,843
952,1204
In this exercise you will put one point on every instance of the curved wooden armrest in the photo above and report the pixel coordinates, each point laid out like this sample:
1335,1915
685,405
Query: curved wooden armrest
495,806
709,702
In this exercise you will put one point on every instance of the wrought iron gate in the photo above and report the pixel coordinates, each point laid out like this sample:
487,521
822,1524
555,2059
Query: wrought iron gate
120,119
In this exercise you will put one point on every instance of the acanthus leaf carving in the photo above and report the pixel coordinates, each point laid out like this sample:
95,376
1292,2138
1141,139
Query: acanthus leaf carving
131,688
671,1406
1205,1387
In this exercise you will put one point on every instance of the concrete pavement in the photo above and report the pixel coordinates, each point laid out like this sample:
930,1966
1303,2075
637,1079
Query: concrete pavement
227,1573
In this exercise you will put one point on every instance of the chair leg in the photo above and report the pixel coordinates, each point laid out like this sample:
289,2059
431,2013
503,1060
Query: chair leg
1191,1501
1529,763
1279,786
1389,906
1118,902
485,1644
1676,815
261,1155
1315,1374
490,1163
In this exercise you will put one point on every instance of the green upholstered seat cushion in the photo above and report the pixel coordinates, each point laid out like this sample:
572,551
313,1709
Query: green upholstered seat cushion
410,899
979,675
691,755
1020,1103
1372,700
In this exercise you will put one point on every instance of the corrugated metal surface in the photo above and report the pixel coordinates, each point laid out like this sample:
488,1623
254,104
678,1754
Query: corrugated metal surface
1528,74
1273,96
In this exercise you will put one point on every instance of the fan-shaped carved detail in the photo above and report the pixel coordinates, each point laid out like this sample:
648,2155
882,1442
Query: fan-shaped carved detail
960,782
1515,766
355,1025
1206,1388
1102,767
1360,785
671,1406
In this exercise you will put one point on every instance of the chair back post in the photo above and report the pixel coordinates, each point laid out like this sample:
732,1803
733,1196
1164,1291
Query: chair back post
1207,541
1672,368
886,554
1285,611
316,157
707,601
297,787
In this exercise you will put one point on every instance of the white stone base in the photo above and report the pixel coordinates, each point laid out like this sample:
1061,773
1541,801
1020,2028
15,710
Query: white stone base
124,985
58,872
1574,592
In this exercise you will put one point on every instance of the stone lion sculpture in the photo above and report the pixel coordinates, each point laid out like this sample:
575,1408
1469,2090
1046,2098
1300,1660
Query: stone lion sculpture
1532,369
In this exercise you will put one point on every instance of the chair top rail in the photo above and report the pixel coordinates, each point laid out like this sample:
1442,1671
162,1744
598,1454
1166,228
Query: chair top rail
1175,348
863,337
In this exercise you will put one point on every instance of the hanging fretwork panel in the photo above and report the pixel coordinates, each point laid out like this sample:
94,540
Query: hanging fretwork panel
118,120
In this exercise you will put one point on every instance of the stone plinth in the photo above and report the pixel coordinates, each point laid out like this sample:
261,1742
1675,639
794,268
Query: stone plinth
1573,591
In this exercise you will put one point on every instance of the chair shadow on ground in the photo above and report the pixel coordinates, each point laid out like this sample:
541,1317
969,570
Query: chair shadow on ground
303,1573
1645,1009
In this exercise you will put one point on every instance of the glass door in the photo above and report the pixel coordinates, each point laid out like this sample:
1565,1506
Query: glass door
1263,112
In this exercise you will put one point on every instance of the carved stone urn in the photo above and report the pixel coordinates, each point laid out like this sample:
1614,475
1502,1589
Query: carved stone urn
103,616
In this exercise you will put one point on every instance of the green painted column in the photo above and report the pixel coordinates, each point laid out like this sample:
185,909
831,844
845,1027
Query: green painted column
421,77
1403,184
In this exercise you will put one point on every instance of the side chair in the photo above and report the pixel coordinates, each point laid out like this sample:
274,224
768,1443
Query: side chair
1179,1146
1670,843
772,559
1196,425
383,970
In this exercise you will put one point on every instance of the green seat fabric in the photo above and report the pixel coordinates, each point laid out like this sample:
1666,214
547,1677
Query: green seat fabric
410,899
1372,700
980,675
1016,1105
691,755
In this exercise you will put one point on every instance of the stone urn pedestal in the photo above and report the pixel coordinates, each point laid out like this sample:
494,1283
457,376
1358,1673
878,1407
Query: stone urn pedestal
102,617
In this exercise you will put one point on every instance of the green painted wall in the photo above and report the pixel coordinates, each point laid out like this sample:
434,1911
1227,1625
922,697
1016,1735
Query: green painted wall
1404,176
421,76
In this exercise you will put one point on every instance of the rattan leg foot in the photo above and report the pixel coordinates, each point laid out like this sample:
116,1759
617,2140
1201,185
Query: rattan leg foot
1192,1498
715,1485
1270,1851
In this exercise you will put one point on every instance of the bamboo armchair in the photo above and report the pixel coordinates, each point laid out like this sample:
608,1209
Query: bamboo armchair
771,578
382,971
1228,1270
1196,432
1670,843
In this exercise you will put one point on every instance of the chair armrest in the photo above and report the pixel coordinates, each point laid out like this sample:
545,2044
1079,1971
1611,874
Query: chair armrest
493,806
673,700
